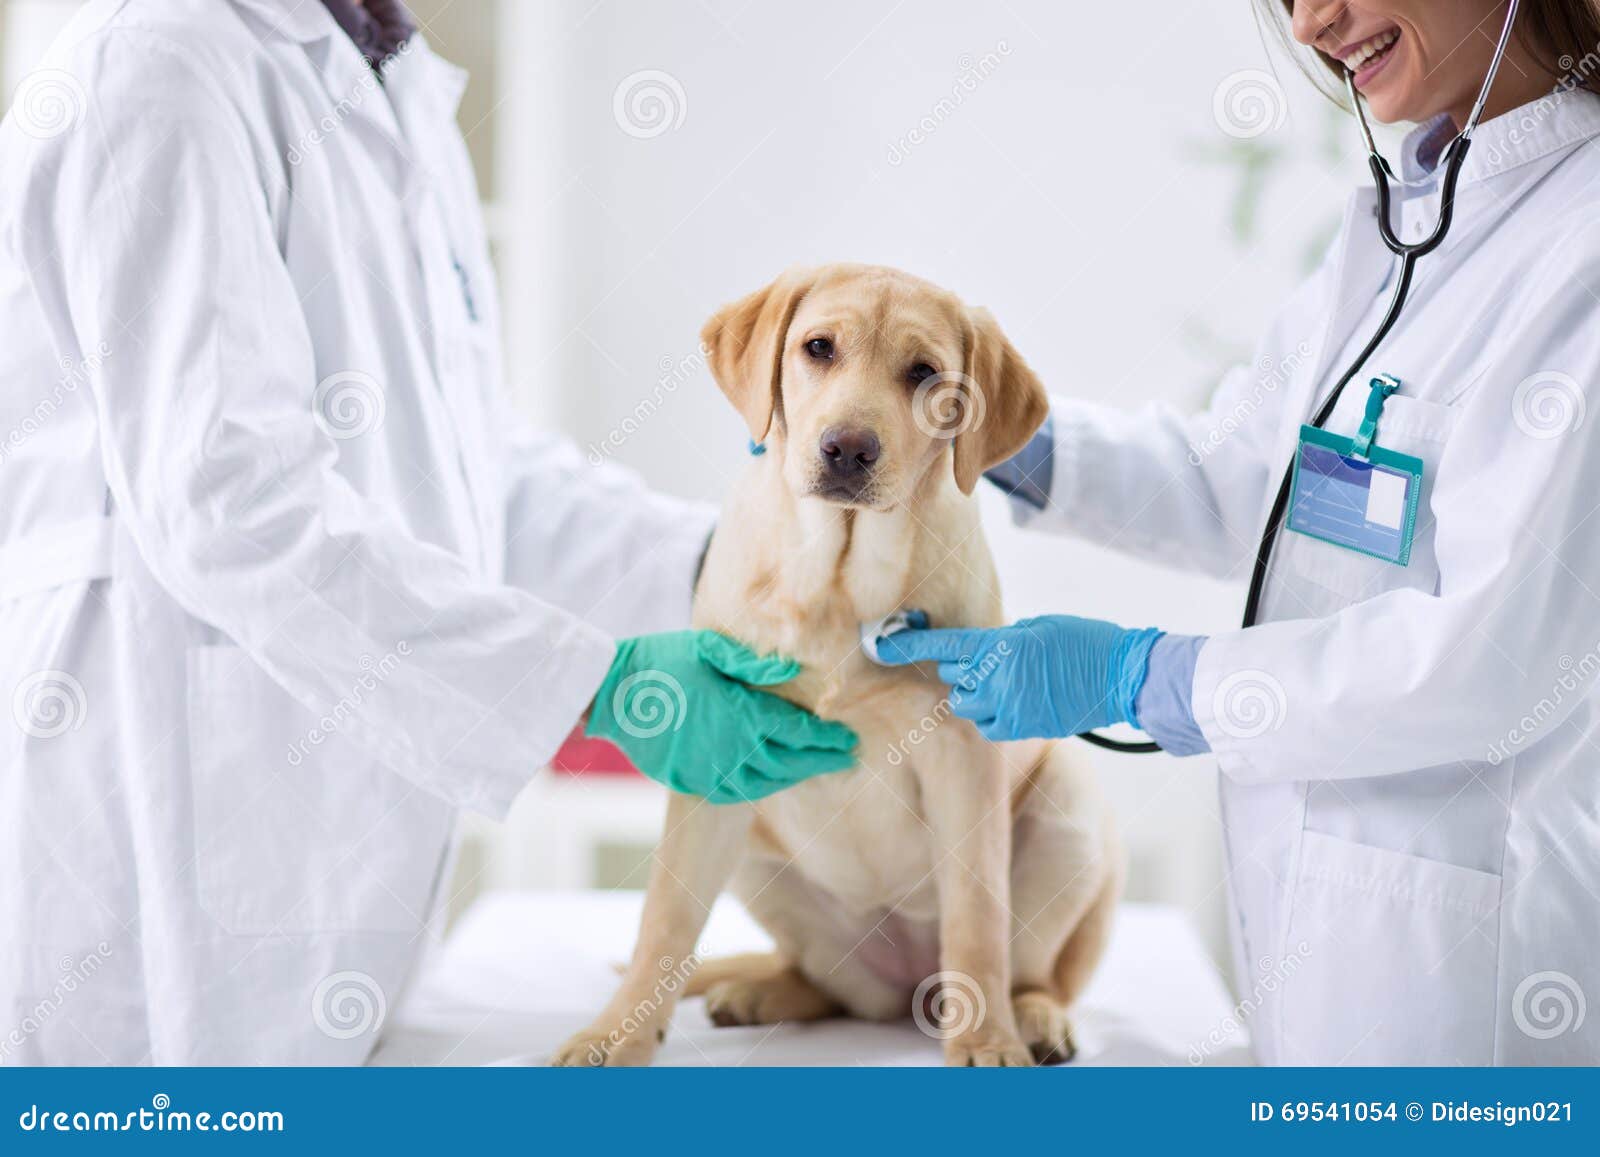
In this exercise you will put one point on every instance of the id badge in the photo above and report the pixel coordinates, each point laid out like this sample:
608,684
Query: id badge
1353,493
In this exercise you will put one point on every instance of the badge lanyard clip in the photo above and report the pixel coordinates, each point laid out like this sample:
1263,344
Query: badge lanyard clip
1382,386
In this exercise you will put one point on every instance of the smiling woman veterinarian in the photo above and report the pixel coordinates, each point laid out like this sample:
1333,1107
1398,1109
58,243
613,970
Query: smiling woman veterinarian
1410,738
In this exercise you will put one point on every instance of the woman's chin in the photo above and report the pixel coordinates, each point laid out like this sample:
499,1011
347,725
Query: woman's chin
1382,112
1390,100
1390,108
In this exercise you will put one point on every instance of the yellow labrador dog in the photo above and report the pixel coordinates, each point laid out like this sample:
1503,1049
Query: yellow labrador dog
966,883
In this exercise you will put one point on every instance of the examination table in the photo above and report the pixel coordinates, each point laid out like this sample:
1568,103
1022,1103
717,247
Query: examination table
523,970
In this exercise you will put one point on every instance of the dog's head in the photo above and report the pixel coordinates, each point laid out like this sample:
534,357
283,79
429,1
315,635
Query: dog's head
872,377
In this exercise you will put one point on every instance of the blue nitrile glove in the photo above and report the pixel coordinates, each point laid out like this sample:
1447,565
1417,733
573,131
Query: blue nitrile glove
1049,677
678,706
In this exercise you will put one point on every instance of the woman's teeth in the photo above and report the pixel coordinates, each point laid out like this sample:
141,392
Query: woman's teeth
1369,49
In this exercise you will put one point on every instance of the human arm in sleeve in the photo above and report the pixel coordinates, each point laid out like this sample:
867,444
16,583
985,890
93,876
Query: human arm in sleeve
223,479
1155,483
594,539
1164,707
1411,679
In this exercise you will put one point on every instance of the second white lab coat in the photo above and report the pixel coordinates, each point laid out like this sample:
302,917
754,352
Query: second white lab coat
283,583
1410,756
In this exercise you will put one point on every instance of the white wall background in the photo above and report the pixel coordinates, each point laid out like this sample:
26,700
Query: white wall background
1087,189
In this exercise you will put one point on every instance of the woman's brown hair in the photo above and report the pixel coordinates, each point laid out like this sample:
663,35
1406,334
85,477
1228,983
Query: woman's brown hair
1563,36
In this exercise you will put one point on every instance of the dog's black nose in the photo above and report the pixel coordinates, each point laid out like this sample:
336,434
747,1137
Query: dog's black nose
850,453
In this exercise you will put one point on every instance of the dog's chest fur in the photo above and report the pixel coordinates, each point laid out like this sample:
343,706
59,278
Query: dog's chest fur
799,577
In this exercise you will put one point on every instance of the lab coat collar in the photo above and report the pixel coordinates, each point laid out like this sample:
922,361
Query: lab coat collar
302,21
416,68
415,80
1562,118
345,75
308,22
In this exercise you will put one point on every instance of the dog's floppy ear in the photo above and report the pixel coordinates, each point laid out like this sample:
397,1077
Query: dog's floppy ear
745,346
1011,401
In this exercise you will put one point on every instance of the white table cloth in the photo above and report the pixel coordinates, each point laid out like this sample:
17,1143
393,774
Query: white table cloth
523,970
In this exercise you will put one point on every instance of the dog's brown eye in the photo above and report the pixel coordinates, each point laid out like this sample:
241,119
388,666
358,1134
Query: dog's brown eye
920,373
820,348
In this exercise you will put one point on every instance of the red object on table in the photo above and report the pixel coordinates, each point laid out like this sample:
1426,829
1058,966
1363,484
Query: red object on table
581,755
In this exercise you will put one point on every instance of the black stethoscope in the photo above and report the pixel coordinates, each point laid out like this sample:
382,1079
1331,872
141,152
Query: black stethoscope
1455,154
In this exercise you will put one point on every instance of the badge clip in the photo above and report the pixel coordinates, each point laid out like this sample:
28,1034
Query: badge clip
1382,386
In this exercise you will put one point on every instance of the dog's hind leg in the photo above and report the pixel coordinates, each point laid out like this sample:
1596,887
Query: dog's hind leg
1088,941
1066,877
764,990
817,970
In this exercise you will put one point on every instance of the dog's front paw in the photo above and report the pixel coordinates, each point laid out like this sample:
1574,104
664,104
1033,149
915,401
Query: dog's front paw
601,1046
987,1049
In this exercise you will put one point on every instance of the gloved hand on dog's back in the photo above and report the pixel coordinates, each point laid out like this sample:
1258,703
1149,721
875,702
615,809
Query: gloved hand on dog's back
1046,677
679,707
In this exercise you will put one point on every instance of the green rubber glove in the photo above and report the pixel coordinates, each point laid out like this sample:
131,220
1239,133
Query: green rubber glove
677,705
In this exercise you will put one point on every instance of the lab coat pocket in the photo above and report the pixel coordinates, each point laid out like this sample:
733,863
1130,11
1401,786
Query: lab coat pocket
1332,577
296,828
1396,959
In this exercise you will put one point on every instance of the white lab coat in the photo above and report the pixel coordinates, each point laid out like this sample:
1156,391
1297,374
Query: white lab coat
283,585
1410,756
